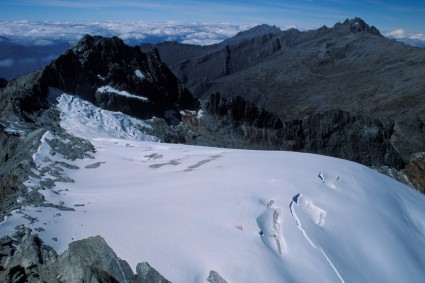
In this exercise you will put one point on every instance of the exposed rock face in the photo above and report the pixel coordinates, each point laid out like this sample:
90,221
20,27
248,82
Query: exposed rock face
242,112
90,260
238,123
338,133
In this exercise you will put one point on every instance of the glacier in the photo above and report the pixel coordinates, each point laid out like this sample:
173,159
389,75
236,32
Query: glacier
251,216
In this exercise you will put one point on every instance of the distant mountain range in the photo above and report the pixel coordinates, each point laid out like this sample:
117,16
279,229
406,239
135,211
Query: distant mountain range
17,59
350,67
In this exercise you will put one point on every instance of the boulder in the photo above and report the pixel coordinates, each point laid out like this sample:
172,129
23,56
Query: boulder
214,277
147,274
92,260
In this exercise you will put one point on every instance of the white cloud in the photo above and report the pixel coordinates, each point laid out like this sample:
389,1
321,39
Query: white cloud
416,39
398,33
44,33
6,62
47,33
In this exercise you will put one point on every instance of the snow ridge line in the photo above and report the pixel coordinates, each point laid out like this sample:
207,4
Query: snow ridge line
295,200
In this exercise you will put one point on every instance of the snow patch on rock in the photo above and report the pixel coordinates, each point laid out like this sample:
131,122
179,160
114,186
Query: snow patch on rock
109,89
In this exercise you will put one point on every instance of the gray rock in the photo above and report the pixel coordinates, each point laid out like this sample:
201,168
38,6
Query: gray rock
214,277
24,263
147,274
92,260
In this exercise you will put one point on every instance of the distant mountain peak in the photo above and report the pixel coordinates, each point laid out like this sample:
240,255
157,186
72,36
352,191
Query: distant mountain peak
358,25
259,30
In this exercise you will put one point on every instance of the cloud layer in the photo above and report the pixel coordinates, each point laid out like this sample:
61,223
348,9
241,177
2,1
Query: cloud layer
45,33
416,39
49,33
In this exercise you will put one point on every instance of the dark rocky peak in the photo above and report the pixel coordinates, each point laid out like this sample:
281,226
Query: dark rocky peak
357,25
97,62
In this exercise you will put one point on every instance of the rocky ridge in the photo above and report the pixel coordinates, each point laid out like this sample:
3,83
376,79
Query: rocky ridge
348,71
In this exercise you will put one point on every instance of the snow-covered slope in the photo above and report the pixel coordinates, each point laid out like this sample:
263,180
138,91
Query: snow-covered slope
252,216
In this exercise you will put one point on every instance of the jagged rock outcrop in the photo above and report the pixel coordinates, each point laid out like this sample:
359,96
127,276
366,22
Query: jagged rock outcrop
19,141
214,277
357,25
147,274
90,260
25,258
15,165
26,263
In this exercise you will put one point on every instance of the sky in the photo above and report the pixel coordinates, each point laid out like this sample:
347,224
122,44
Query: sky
387,15
396,18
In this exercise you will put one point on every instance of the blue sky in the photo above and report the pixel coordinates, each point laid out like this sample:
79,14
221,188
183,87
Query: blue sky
386,15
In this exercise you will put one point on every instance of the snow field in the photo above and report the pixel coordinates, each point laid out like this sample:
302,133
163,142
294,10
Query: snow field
252,216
